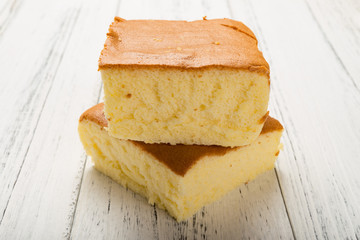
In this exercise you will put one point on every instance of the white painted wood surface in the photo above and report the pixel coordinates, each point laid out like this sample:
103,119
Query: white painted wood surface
48,64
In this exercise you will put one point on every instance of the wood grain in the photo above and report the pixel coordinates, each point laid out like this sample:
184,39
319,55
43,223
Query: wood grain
8,11
107,211
30,72
43,170
48,61
316,100
339,21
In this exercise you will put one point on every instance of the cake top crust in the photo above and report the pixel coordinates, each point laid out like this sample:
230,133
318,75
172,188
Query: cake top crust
182,44
179,158
95,114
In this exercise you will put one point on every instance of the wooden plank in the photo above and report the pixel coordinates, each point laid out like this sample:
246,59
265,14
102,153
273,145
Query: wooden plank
28,71
107,211
8,11
55,72
316,100
255,210
339,22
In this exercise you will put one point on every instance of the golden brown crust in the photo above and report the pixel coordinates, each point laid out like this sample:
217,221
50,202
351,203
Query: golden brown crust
179,158
95,114
270,125
263,118
181,44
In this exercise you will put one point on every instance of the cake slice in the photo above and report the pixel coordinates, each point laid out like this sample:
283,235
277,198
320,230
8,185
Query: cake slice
178,178
203,82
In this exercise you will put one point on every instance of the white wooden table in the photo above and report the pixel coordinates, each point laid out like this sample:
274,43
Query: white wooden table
48,66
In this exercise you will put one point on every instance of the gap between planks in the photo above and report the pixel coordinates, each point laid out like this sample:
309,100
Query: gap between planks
68,235
331,46
277,106
44,101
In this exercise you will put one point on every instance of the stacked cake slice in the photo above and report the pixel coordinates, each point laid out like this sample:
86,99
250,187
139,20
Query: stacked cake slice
185,116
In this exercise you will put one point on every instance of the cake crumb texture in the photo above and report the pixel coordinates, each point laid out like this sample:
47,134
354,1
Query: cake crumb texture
210,174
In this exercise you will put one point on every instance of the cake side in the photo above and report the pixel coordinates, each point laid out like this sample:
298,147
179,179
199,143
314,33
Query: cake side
150,171
212,106
179,158
125,163
96,114
181,44
215,176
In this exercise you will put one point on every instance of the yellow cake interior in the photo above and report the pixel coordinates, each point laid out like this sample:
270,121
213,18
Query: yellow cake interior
209,177
207,106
